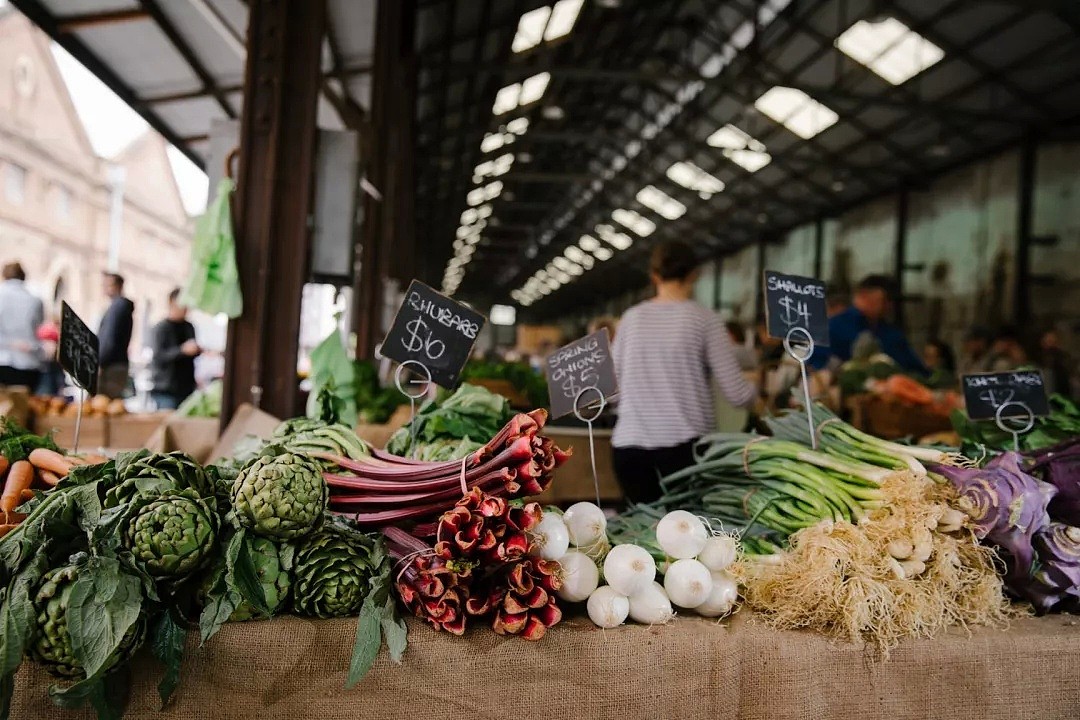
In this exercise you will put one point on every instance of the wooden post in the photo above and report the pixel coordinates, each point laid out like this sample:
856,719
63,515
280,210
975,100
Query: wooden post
273,202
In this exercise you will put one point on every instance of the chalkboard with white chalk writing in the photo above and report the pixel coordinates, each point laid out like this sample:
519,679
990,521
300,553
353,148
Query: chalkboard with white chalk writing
985,393
792,302
584,363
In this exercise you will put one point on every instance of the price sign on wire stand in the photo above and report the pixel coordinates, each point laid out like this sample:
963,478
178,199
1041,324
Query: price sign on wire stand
795,312
1011,399
580,378
432,330
78,355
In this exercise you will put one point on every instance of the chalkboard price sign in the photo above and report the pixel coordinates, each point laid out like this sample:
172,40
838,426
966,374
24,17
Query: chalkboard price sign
433,330
791,302
581,364
78,352
985,393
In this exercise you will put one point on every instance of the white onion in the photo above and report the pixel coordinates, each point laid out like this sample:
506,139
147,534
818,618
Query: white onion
719,552
586,524
579,577
608,608
681,534
551,539
688,583
651,606
722,599
629,569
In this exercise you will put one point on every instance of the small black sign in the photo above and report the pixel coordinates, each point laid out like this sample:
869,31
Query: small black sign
792,301
78,353
984,393
581,364
433,330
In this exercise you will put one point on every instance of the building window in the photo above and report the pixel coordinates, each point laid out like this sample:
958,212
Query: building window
14,183
62,203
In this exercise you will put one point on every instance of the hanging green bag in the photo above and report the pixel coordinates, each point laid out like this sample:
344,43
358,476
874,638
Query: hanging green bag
213,284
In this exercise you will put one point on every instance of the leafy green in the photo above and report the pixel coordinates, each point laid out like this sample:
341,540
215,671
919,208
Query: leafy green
521,375
368,640
1062,423
167,642
333,376
16,442
105,604
374,403
205,403
471,412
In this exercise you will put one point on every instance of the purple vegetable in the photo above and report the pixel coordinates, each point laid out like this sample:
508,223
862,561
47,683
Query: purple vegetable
1007,506
1057,571
1060,466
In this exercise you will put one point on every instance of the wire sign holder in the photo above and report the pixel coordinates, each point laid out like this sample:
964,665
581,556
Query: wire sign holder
600,405
1016,431
806,345
78,355
419,368
1012,399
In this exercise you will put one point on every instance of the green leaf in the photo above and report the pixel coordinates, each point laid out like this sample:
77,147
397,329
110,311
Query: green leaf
105,603
167,643
333,379
108,695
394,630
245,577
368,639
220,603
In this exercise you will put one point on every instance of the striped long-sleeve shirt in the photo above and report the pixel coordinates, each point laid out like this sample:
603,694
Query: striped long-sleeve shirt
665,355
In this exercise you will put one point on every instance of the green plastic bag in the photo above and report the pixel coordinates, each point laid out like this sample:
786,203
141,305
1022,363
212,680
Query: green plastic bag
213,284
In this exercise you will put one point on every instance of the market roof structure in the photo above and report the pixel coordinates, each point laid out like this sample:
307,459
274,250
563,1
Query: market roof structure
555,158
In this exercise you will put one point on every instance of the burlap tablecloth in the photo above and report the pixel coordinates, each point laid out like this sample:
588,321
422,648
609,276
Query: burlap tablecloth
294,669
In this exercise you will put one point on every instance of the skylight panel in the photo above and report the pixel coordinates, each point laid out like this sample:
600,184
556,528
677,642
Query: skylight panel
628,218
691,177
797,111
661,203
530,29
889,48
618,240
563,17
533,88
749,160
589,243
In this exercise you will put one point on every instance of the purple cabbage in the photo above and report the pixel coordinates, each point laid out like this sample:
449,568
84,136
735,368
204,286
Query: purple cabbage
1057,570
1060,466
1007,506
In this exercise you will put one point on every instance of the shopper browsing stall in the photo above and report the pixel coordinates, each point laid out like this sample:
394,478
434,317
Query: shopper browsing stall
114,336
666,351
20,315
175,350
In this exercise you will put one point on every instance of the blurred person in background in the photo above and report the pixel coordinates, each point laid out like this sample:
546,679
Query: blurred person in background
975,352
667,351
1055,363
20,316
868,315
939,360
835,303
172,368
114,336
52,375
1007,352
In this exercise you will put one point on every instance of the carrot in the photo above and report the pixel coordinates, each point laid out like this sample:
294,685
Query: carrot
26,495
85,459
5,529
48,477
4,465
50,460
19,478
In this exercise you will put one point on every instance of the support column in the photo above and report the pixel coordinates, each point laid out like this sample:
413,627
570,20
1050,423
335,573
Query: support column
273,202
819,247
901,253
388,247
1025,207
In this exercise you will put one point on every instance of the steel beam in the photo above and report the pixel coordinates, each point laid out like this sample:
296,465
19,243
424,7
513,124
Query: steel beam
71,23
274,190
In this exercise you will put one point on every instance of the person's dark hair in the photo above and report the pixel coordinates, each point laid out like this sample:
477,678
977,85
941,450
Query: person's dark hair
878,282
174,294
673,260
116,278
14,271
1008,332
948,360
736,331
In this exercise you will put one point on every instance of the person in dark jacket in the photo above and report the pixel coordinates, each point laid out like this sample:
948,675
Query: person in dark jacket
172,368
114,336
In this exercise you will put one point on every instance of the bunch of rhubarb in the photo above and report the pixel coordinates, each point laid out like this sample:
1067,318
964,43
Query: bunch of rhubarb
386,489
479,568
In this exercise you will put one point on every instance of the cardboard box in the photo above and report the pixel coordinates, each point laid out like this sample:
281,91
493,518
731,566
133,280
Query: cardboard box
93,434
247,422
130,432
574,480
14,403
378,435
194,436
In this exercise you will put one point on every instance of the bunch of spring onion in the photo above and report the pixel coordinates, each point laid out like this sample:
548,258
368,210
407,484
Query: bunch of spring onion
384,489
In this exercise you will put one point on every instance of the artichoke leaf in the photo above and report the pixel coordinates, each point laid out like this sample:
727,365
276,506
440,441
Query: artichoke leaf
167,643
368,640
96,636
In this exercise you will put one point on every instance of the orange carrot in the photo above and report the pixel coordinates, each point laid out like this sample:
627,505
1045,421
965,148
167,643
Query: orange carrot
4,465
26,495
5,529
50,460
48,477
19,478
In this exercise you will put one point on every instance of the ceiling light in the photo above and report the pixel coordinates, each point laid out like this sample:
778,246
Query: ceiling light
553,112
484,211
574,253
475,197
740,148
458,244
468,217
563,277
502,164
524,157
541,274
660,203
587,261
889,48
563,17
533,88
563,264
491,191
797,111
618,240
483,170
462,232
553,284
602,253
589,243
530,29
492,141
691,177
506,99
518,126
628,218
502,315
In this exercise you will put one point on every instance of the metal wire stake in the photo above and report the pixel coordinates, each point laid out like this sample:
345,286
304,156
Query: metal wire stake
412,398
589,423
1015,431
78,421
801,359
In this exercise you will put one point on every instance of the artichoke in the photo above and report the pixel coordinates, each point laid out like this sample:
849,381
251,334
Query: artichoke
152,473
274,563
171,535
333,572
50,644
281,496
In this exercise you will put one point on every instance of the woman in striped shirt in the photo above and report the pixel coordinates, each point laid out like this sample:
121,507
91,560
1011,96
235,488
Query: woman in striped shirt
667,351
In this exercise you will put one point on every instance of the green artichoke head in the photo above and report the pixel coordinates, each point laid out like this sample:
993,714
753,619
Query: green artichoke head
173,534
333,573
153,473
50,642
274,564
280,496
